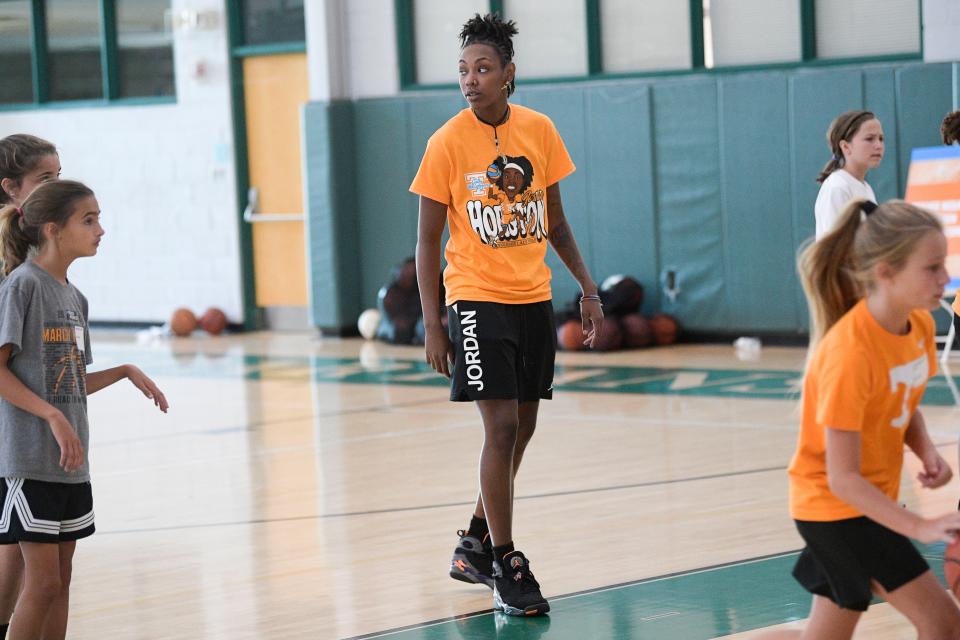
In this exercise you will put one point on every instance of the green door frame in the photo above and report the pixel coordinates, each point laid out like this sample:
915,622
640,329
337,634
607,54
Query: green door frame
253,318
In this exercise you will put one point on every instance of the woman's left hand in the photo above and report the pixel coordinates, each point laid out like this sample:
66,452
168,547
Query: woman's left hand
147,386
591,317
936,473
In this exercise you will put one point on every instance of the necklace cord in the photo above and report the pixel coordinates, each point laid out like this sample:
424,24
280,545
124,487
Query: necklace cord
494,125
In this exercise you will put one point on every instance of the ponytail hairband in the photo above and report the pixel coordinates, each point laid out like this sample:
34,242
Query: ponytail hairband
868,207
19,212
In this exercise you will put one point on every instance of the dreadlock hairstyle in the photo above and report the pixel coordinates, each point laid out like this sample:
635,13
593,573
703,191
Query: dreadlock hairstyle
494,31
19,155
844,127
950,128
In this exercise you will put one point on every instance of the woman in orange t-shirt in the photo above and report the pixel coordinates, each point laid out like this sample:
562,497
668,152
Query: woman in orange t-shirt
492,172
871,284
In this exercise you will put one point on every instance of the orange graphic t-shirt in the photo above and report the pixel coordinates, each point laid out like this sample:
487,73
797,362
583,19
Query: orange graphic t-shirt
496,204
861,378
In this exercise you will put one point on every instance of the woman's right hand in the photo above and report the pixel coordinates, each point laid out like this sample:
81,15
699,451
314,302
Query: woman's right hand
942,529
71,451
439,352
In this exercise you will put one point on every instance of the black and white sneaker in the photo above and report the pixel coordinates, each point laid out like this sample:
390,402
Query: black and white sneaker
472,560
516,592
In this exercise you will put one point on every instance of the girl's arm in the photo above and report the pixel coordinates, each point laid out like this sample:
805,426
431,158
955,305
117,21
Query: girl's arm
843,473
563,242
102,379
936,472
432,220
19,395
98,380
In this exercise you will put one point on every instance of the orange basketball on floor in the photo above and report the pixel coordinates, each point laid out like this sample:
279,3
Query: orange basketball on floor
570,336
951,567
183,322
611,337
636,331
665,329
213,321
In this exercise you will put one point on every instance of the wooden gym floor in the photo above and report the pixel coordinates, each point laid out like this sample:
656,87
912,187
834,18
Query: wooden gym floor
312,488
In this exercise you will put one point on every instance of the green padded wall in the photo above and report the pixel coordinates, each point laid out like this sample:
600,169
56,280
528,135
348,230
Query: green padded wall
759,237
710,176
334,277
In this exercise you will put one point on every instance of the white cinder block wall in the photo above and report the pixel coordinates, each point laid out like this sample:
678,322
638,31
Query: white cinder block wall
164,177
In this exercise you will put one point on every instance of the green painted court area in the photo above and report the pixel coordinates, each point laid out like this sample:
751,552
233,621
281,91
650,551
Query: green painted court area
694,605
732,383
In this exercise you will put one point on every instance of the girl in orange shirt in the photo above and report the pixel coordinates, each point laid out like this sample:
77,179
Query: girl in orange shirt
870,284
492,173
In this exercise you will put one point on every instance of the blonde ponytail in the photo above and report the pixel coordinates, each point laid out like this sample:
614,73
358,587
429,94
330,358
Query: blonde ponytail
837,270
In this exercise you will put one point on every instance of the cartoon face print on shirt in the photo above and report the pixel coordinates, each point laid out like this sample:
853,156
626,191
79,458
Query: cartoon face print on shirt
511,214
516,176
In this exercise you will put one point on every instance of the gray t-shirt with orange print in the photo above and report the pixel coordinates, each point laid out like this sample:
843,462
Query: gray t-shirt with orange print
45,321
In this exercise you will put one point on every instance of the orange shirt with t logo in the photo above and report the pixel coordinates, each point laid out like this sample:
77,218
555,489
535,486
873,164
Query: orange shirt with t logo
861,378
496,203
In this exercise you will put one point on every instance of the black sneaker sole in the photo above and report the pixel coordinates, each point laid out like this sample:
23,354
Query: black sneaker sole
470,575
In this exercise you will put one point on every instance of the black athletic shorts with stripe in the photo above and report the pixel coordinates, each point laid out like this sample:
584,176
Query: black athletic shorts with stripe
502,351
843,557
52,512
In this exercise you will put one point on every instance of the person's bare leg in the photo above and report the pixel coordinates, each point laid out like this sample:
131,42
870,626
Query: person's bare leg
55,626
926,604
527,417
41,586
827,621
11,579
500,426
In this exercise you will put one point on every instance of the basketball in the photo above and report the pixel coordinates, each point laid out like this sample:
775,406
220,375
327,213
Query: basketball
951,567
368,323
665,329
621,294
213,321
183,322
636,331
570,336
611,337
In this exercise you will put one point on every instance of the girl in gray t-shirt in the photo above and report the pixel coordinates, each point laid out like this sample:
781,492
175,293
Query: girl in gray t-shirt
46,503
26,162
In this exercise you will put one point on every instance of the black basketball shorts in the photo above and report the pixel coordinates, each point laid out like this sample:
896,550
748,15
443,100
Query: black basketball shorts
502,351
842,557
35,511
